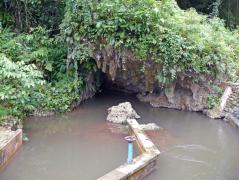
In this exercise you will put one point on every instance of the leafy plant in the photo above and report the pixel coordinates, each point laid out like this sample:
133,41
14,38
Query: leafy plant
60,95
48,54
214,98
213,101
18,82
4,112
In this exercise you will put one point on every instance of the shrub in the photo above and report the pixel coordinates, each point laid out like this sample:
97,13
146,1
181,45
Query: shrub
48,54
18,82
33,73
60,95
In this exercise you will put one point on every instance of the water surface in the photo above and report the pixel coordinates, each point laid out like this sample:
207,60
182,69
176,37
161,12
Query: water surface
79,145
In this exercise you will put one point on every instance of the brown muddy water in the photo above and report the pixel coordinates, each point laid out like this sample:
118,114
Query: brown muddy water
80,146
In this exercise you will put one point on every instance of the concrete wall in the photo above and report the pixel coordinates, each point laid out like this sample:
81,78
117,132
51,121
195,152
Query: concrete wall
143,164
10,148
231,111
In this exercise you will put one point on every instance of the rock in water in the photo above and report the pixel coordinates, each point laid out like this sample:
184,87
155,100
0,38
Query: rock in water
122,112
150,127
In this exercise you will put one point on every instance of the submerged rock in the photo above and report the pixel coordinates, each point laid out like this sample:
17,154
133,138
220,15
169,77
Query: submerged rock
150,127
39,113
122,112
118,128
119,115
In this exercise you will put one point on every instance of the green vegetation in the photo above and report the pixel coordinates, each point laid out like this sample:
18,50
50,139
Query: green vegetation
225,9
33,73
181,41
46,47
214,99
18,83
4,112
27,14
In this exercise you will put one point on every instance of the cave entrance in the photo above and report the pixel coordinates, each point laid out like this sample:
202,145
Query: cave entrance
107,84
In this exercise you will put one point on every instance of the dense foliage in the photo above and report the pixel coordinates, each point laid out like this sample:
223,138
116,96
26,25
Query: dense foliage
48,54
225,9
18,84
25,14
34,76
181,41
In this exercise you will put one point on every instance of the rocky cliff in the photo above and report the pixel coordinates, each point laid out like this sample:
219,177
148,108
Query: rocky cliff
124,70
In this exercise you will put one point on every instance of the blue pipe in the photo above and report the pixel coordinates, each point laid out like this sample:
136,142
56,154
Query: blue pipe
130,152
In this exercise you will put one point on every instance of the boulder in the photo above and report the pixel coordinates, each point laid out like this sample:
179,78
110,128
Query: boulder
122,112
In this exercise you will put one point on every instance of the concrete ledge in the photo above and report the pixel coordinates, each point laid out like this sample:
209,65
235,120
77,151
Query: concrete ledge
232,120
10,147
143,164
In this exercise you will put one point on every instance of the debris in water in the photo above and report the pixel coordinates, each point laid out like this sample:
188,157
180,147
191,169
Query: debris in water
24,137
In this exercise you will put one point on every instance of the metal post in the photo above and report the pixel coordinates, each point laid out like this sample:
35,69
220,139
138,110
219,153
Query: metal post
130,140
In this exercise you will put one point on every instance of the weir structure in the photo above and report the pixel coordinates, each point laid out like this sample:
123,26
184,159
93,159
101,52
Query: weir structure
10,147
143,164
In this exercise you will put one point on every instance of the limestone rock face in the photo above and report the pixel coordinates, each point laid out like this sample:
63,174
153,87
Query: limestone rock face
127,73
181,94
124,70
122,112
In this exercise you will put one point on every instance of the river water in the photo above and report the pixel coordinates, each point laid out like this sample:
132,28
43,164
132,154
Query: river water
80,145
